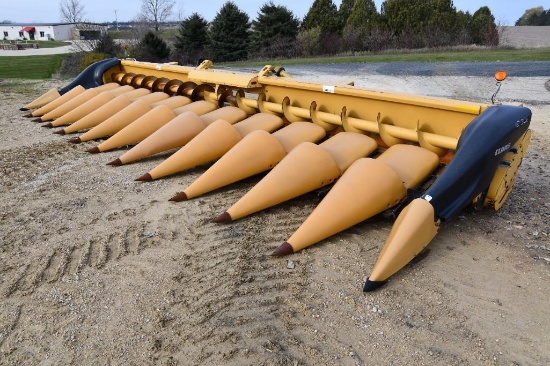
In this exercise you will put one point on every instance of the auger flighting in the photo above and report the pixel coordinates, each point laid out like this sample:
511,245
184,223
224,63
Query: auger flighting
423,159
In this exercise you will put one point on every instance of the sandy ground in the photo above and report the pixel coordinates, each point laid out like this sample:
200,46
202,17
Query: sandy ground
98,269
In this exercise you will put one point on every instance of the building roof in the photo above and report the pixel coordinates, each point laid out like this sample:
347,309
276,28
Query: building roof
42,24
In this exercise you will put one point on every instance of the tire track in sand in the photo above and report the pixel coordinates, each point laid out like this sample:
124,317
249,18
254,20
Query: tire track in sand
212,292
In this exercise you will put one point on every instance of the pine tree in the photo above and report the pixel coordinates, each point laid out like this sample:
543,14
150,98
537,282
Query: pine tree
345,10
107,46
192,38
322,14
363,15
483,27
274,30
229,34
151,48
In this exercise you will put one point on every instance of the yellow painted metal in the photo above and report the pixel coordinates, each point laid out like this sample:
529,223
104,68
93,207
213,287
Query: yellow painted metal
160,116
435,124
228,78
182,129
367,188
173,102
134,93
83,110
179,131
346,147
260,121
306,168
229,114
293,135
303,170
199,107
158,70
411,163
152,98
214,141
78,100
117,104
117,121
120,89
505,176
58,101
257,152
44,99
70,105
413,230
139,129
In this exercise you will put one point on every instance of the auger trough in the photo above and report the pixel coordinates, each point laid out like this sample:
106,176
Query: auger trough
418,159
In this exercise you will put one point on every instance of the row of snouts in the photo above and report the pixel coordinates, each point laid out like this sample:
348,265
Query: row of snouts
390,134
243,145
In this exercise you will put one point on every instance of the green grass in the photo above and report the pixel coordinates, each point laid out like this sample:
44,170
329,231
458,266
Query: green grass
42,67
29,67
497,54
18,86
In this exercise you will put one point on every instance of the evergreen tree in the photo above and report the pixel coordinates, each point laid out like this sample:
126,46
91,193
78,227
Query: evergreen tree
363,15
229,34
274,29
107,46
322,14
483,27
421,22
151,48
192,38
345,10
463,28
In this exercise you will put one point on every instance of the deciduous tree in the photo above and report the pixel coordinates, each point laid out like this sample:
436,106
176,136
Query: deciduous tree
72,11
156,11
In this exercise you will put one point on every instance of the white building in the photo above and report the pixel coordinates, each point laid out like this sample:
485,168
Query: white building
48,31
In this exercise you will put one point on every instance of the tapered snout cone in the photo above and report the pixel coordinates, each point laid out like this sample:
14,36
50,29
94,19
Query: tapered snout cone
139,129
73,103
115,106
83,110
306,168
367,188
214,141
77,90
178,132
149,123
128,115
255,153
413,230
42,100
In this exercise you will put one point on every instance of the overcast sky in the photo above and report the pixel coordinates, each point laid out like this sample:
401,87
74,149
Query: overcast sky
47,11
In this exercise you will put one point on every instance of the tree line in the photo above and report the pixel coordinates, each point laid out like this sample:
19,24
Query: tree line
535,16
354,26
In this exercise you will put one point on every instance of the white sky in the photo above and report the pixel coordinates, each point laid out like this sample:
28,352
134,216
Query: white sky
47,11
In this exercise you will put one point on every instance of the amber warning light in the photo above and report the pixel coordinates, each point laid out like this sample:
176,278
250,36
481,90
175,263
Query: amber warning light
500,75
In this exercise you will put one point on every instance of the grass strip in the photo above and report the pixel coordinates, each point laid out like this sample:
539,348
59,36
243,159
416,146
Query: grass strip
481,55
30,67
